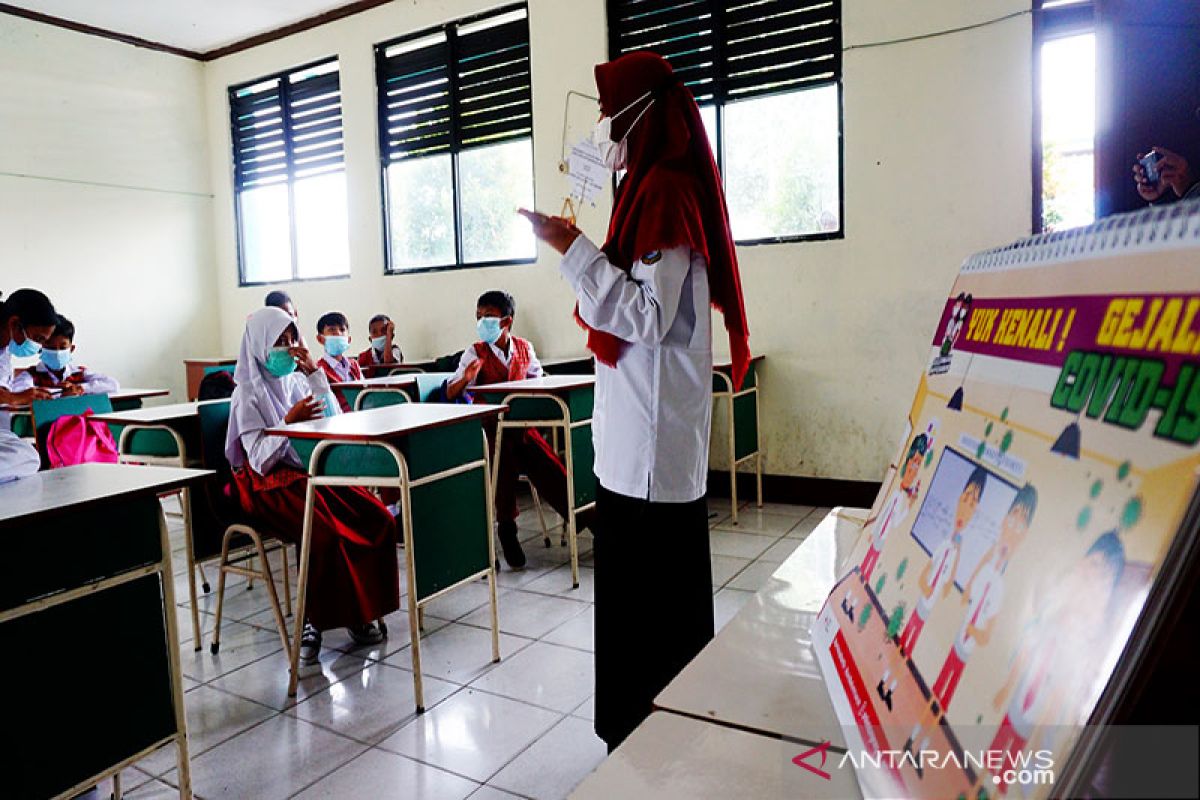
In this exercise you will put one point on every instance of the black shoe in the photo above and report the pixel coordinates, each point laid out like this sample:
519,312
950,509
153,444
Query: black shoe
514,556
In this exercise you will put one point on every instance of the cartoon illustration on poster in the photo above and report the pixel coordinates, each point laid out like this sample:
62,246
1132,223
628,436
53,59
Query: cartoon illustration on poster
1051,455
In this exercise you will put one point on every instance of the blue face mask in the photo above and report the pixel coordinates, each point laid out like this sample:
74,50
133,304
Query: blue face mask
26,348
56,359
336,345
378,343
280,362
489,329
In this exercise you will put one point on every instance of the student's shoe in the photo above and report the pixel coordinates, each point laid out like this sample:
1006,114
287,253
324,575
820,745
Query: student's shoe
514,556
364,635
310,644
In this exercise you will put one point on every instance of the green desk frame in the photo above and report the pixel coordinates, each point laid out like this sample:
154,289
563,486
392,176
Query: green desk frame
86,576
567,413
443,474
743,415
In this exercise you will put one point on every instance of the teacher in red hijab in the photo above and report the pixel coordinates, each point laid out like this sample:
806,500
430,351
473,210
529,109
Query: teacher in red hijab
644,299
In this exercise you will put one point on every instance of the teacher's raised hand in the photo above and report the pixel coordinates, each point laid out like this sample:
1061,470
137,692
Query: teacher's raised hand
554,231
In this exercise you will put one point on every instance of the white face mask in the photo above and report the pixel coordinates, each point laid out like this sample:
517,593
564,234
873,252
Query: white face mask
616,154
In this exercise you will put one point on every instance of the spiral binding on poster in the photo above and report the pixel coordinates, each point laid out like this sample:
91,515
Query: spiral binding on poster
1158,227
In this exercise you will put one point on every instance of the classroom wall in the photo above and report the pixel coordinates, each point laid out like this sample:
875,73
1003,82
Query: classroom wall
937,163
104,196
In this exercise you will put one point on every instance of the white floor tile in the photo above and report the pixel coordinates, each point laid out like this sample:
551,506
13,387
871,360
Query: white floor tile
372,704
753,577
558,582
240,645
472,733
492,793
726,603
274,760
586,710
725,567
458,653
461,601
212,717
555,763
266,681
739,544
779,552
558,678
150,790
378,774
805,527
530,615
751,520
578,632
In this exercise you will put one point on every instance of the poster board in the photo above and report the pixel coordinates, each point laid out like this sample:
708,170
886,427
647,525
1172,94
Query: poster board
1049,464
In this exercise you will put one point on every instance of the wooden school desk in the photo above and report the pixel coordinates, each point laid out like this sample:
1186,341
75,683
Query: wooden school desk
437,456
402,367
742,416
563,404
169,436
670,757
197,368
405,382
574,365
760,672
87,627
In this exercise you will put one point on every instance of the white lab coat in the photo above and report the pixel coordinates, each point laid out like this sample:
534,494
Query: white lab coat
653,409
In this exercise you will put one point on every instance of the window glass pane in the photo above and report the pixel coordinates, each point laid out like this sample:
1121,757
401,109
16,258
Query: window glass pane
781,164
708,115
494,182
421,212
322,242
1068,132
265,236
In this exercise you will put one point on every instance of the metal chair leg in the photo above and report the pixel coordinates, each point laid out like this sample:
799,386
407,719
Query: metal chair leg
537,504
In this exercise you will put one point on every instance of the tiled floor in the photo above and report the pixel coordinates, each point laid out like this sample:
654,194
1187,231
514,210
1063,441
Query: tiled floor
520,728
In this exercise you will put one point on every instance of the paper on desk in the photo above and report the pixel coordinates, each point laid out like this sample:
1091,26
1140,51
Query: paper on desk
587,171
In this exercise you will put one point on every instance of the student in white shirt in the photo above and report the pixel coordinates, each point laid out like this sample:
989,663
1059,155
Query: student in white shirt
27,318
56,368
645,299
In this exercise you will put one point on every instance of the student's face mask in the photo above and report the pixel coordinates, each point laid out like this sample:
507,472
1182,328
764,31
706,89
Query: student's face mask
489,329
616,154
280,362
23,349
56,359
378,343
336,345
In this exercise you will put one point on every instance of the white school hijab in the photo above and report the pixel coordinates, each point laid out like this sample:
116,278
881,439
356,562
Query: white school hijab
260,400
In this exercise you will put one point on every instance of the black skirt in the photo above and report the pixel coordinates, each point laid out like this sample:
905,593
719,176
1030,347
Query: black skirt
654,603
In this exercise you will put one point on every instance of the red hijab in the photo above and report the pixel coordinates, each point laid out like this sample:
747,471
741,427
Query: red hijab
671,195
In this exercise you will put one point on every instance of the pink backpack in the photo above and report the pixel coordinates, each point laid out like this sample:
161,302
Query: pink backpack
76,439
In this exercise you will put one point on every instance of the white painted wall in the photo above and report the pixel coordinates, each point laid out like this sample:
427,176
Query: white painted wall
104,197
937,162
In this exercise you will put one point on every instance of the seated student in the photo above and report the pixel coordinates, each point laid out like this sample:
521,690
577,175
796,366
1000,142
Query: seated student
353,577
500,356
55,370
27,318
383,349
333,332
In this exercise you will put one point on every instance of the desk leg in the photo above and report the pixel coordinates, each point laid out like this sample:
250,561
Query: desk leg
569,462
758,456
491,511
733,499
181,743
185,499
414,611
302,587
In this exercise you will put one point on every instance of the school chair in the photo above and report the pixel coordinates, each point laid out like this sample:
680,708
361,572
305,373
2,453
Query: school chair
378,398
47,412
401,369
240,541
430,382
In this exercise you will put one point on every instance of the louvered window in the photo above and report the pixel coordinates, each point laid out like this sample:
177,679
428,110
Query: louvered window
767,74
289,175
455,141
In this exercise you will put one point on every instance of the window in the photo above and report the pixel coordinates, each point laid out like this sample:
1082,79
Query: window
1065,134
767,76
455,143
289,176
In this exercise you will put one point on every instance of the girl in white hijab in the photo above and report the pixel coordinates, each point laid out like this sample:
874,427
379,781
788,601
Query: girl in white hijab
353,576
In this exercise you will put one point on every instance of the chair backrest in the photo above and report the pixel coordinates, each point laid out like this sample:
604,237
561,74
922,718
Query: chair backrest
214,504
430,382
47,412
378,398
401,369
223,368
449,362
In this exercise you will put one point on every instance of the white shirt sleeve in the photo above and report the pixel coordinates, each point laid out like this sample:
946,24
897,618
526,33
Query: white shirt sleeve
18,458
637,307
535,366
20,382
98,383
468,357
264,453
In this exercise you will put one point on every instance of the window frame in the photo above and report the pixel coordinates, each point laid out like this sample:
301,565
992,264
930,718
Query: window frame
1054,22
285,106
449,29
720,100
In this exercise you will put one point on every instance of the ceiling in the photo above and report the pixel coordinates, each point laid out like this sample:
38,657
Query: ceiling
196,25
